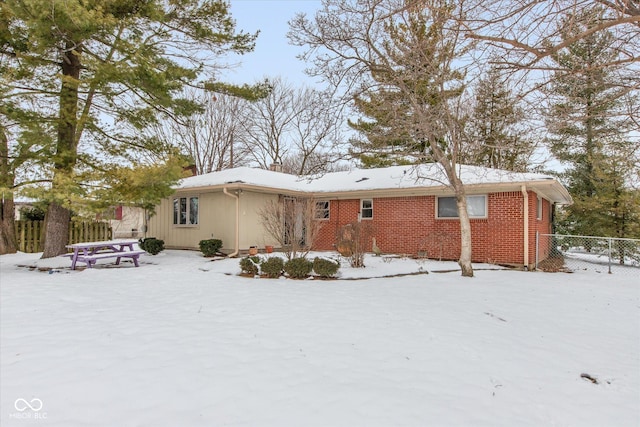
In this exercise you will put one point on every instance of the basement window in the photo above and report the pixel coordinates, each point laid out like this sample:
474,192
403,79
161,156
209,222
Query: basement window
446,207
185,211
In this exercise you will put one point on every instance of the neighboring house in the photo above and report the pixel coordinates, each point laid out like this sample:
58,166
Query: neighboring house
408,209
125,221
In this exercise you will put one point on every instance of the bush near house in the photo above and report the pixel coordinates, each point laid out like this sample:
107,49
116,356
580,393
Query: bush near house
325,267
151,245
250,265
210,247
272,267
298,268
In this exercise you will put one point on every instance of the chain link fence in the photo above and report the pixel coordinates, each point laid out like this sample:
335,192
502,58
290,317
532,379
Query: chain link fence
559,252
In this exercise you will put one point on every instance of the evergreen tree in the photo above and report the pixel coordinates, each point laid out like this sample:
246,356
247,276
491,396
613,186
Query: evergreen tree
109,68
587,137
497,136
411,107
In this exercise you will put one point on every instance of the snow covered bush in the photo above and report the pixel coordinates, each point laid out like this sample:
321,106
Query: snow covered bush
210,247
326,267
272,267
298,268
250,265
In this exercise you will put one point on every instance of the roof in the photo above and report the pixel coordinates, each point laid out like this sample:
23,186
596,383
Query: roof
399,180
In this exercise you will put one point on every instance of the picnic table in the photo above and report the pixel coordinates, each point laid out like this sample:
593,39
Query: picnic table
90,252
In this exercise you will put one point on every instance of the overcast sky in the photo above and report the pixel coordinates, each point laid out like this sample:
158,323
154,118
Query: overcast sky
273,56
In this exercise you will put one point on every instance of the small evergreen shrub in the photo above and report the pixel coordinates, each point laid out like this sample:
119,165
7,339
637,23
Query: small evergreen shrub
32,214
249,265
272,267
151,245
325,267
298,268
210,247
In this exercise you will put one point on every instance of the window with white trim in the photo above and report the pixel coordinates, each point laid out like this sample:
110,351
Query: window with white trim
539,208
322,209
185,211
366,208
446,207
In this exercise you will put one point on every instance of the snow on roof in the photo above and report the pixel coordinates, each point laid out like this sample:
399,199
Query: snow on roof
394,177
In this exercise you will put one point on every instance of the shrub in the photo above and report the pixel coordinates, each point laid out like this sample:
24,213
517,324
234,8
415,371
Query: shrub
325,267
272,266
32,214
152,245
249,265
298,268
210,247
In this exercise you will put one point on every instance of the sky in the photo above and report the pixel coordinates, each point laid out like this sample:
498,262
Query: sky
273,55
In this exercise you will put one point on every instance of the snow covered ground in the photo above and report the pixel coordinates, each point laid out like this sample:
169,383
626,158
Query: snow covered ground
185,341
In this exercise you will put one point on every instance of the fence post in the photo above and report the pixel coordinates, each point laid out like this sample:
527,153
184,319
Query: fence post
609,255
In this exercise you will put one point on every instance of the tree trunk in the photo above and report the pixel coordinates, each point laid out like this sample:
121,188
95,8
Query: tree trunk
56,221
465,234
56,233
8,243
463,214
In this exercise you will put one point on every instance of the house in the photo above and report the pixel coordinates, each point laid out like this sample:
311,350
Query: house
125,221
408,209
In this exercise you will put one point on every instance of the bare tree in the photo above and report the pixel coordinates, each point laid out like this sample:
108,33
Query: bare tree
526,33
316,137
268,122
297,127
291,222
210,137
402,62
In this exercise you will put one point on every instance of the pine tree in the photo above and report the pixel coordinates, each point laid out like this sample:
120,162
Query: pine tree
412,108
109,68
588,138
497,136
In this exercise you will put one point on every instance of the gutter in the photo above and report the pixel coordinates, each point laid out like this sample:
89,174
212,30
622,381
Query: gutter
526,226
237,233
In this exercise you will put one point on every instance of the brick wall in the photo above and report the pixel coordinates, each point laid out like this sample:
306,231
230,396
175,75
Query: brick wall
408,225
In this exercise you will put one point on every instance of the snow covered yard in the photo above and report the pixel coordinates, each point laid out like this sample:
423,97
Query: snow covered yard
183,341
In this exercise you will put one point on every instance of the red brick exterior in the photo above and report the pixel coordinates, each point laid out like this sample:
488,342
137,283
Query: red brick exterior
408,225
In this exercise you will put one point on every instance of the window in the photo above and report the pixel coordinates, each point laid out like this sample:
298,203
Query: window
476,206
185,211
322,210
539,208
366,208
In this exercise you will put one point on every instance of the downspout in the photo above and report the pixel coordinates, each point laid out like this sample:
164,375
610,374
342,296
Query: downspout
237,244
526,226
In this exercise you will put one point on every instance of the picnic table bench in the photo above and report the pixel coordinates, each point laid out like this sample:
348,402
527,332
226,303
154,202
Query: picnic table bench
91,252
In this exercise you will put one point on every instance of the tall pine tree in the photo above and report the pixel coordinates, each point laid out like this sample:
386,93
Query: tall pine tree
498,137
412,109
100,72
587,137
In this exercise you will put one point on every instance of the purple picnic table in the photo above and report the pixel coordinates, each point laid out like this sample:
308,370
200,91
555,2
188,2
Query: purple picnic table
90,252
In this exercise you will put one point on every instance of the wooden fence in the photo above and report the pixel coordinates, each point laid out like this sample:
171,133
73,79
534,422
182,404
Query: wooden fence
30,234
